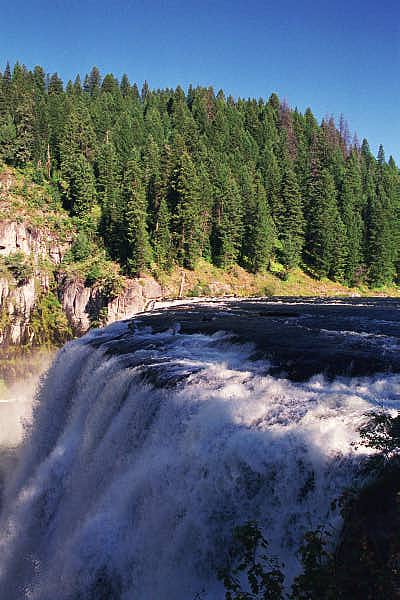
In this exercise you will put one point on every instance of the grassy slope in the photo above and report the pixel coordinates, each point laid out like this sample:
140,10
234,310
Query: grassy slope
33,203
210,281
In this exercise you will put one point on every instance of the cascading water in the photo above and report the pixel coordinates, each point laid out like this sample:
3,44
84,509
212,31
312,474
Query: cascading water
147,448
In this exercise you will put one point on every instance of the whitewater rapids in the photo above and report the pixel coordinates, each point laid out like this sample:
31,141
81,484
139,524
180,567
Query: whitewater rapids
148,447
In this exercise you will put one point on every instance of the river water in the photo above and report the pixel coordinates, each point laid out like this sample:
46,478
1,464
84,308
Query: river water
153,438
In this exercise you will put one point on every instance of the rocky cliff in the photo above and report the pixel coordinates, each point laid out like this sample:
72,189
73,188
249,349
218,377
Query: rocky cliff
83,305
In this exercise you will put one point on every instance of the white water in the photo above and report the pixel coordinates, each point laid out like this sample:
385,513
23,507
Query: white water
132,490
16,404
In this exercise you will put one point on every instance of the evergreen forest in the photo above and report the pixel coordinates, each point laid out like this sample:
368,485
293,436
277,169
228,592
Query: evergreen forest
166,177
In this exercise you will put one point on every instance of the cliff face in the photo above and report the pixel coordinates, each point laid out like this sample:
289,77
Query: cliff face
83,305
18,298
34,242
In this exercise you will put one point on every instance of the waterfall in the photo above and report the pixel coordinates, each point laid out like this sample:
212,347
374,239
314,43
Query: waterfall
147,448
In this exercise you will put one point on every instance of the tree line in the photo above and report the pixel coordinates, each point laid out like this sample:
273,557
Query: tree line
168,177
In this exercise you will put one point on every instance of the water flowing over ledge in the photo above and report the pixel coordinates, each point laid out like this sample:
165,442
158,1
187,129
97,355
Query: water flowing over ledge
153,438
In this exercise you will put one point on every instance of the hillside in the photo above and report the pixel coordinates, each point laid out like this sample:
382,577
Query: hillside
167,178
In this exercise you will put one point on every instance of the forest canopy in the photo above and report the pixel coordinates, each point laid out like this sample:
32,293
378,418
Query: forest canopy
168,177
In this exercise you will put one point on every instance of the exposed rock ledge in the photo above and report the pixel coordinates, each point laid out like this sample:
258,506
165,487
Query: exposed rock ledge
38,243
83,305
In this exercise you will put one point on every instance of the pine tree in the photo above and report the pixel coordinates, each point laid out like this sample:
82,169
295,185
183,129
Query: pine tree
125,85
291,219
271,172
261,231
351,212
161,238
381,236
138,251
77,86
187,218
200,166
55,86
228,222
81,187
381,267
108,193
93,82
24,117
325,243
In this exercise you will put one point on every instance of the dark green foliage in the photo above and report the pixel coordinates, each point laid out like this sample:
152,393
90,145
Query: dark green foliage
260,231
382,224
82,247
228,180
248,557
108,193
20,266
317,580
227,219
351,203
135,250
291,219
187,212
80,188
326,251
161,238
381,431
367,557
49,323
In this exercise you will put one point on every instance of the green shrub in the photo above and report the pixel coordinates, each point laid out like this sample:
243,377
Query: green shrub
317,581
82,247
20,266
49,323
248,558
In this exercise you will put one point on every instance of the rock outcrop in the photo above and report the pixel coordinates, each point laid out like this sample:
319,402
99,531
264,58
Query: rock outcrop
86,305
34,242
83,305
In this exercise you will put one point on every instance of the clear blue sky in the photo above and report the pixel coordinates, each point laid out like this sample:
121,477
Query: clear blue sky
335,56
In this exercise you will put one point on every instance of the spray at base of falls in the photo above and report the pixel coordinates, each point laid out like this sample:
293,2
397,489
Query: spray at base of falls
146,449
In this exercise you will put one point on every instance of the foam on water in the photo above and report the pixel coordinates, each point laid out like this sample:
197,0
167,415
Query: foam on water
147,449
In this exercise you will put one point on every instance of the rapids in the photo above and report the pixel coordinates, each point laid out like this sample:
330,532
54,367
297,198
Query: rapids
149,444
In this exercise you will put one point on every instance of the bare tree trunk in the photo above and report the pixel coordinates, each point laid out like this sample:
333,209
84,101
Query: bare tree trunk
182,285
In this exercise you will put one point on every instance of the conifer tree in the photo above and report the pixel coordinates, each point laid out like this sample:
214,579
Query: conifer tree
380,253
261,231
81,189
228,221
325,243
187,217
381,236
161,238
93,82
55,86
125,85
351,212
200,167
108,192
291,218
271,173
137,251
